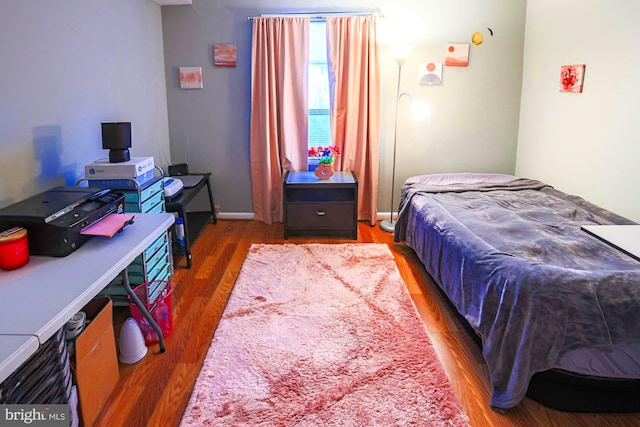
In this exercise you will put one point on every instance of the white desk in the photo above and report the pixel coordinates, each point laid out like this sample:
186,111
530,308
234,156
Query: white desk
14,350
39,298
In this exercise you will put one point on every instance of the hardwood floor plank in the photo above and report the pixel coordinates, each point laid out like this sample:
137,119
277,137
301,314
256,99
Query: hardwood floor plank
155,390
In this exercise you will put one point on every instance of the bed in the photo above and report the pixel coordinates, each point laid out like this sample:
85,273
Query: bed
542,295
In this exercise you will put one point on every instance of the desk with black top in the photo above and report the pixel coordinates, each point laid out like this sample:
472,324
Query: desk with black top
193,221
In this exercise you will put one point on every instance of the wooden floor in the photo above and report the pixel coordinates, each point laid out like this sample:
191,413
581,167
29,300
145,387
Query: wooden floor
155,391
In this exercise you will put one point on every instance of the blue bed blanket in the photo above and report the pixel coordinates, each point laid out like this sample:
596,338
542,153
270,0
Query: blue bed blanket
513,260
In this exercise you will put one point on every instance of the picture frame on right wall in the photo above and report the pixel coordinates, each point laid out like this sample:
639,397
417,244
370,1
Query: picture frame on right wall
430,73
457,55
572,78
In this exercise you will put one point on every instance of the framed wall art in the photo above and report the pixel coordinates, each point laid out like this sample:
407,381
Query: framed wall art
224,55
430,73
190,77
457,55
572,78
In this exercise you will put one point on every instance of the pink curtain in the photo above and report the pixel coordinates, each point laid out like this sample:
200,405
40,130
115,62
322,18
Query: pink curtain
278,141
355,112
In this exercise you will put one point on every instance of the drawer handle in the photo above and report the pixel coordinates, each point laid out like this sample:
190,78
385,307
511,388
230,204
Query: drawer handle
321,213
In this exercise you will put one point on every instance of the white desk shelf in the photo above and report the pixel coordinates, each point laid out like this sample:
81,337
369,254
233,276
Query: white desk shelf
39,298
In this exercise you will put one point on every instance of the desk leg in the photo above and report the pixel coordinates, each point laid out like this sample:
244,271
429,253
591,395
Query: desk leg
213,206
187,241
143,309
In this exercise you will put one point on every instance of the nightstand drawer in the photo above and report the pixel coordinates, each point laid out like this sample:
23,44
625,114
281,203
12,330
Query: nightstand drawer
320,215
322,194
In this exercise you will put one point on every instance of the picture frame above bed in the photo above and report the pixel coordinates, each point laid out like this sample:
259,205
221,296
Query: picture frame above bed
572,78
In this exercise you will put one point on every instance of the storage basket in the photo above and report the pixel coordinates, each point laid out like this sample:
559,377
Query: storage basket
159,308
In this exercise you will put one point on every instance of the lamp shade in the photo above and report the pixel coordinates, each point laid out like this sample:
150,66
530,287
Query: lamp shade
419,109
400,52
116,137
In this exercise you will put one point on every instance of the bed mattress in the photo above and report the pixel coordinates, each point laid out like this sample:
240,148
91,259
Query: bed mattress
541,293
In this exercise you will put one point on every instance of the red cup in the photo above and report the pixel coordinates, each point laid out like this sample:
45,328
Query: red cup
14,248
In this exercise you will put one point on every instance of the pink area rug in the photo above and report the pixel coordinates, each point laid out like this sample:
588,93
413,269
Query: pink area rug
321,334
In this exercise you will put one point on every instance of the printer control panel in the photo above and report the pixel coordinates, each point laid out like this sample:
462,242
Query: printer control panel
84,214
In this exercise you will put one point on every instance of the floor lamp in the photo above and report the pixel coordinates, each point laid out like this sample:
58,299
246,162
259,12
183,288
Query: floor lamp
390,225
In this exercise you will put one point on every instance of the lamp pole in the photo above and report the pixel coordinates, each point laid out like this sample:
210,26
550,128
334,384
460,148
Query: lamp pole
390,225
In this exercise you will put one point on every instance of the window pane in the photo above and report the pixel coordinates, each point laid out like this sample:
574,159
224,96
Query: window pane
318,86
319,129
319,99
318,41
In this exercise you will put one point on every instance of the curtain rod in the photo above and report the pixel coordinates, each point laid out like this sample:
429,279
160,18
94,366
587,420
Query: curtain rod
318,15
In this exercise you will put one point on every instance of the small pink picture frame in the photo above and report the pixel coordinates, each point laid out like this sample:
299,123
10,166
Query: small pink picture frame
190,77
224,55
457,55
572,78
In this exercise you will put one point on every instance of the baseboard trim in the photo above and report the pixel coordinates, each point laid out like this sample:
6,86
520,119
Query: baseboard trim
248,216
385,215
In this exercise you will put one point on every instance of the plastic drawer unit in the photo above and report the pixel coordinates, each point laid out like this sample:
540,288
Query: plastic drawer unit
155,264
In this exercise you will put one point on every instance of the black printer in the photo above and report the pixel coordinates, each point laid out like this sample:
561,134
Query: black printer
55,218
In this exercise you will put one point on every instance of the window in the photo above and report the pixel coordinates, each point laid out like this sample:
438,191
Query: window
319,99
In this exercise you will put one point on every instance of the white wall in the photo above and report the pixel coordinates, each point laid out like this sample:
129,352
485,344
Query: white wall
67,66
586,144
474,114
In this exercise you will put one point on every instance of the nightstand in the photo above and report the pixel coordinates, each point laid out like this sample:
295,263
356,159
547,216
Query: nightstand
314,206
